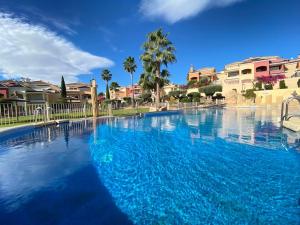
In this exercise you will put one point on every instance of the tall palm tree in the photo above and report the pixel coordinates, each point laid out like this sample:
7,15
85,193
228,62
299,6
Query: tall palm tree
106,76
130,67
158,51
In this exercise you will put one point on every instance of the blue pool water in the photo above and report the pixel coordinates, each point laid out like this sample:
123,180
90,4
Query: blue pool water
217,166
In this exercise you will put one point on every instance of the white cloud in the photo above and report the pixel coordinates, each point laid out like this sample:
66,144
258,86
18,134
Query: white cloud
174,10
34,51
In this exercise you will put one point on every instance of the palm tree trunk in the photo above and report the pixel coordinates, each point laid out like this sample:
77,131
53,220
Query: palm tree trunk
131,76
157,100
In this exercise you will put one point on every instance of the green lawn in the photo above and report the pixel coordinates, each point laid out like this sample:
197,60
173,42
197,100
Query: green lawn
129,111
21,120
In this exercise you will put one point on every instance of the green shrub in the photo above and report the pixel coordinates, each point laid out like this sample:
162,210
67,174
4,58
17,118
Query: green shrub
127,100
282,85
210,89
203,81
268,86
177,94
192,83
196,99
298,83
185,99
258,86
249,94
145,98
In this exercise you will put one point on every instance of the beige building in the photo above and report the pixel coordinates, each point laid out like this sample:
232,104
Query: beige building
78,92
196,75
170,87
238,76
126,92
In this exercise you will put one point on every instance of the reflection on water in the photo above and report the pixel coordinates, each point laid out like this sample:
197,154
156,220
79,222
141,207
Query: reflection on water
255,126
231,166
47,177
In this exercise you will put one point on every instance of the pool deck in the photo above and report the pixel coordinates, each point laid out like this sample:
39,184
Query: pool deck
292,124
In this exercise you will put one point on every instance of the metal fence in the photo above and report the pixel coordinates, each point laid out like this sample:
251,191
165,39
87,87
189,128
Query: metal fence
12,113
21,113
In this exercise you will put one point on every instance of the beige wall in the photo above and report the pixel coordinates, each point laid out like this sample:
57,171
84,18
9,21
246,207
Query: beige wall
273,97
290,68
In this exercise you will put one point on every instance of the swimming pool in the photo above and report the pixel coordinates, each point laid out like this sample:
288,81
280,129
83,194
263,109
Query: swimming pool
216,166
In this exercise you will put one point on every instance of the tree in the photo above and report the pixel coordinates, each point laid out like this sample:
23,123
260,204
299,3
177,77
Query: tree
258,86
130,67
268,86
250,94
106,76
114,86
158,51
210,89
282,85
298,83
63,90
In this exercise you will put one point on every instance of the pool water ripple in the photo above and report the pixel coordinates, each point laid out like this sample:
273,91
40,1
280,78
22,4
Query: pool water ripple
181,169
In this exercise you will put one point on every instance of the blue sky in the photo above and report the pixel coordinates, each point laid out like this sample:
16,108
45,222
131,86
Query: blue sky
44,39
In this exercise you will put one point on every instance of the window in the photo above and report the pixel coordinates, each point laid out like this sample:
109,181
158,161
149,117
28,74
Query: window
272,68
233,73
261,69
246,71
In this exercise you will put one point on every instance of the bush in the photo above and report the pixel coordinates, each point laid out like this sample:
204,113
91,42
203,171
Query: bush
282,85
196,99
268,86
145,98
177,94
203,81
185,100
298,83
192,83
210,89
258,86
249,94
127,100
194,96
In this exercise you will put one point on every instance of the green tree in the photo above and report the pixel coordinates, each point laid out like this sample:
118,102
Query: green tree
130,67
268,86
298,83
282,85
250,94
114,86
63,89
158,51
258,86
210,89
106,76
148,80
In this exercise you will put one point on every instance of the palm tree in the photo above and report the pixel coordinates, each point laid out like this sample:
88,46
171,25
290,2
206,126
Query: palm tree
148,80
106,76
114,86
130,67
158,51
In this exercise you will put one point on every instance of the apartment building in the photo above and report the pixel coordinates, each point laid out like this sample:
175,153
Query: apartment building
78,92
196,75
126,92
240,76
29,91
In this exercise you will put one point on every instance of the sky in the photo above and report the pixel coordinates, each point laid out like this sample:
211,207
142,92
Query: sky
78,39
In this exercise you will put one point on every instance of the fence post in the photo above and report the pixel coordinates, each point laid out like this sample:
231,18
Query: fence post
84,109
47,111
109,109
94,98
